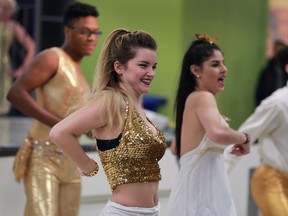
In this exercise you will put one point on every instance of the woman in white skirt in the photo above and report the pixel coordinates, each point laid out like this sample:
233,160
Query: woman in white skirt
202,134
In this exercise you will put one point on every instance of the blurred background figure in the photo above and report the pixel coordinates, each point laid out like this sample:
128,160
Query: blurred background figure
277,25
10,31
271,77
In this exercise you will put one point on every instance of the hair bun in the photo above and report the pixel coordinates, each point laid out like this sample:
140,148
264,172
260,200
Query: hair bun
206,38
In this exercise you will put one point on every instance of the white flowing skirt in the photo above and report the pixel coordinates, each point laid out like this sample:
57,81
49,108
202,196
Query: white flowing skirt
115,209
202,187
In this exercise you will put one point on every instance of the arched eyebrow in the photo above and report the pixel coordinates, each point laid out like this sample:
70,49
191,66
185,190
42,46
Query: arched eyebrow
142,61
146,62
217,61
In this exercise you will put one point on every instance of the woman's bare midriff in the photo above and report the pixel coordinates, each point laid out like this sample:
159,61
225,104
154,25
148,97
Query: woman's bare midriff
143,195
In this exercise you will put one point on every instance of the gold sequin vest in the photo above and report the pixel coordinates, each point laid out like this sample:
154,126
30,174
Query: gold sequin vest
136,157
66,89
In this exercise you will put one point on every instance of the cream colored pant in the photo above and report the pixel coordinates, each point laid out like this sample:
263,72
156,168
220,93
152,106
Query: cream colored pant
52,185
115,209
270,191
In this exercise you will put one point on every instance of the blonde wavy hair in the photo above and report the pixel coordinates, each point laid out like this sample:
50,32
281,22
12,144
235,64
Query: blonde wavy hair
120,45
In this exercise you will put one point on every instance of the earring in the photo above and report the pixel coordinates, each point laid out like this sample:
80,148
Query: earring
198,76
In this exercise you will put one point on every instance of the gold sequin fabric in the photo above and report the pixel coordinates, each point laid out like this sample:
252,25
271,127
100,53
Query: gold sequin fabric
6,36
49,150
269,191
200,152
136,157
68,88
52,181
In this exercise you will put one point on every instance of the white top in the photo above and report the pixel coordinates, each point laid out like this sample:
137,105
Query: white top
202,186
269,124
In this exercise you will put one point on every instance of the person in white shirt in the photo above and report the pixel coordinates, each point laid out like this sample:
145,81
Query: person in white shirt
269,124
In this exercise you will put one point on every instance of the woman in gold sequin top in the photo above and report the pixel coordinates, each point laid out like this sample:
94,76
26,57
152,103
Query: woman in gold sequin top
202,134
128,143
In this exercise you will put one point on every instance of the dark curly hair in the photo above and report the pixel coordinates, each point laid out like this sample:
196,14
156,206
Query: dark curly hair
77,10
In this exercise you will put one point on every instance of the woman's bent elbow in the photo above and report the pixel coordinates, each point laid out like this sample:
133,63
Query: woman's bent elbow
55,135
10,96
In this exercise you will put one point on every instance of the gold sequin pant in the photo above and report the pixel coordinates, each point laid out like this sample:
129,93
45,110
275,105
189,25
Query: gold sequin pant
52,186
270,191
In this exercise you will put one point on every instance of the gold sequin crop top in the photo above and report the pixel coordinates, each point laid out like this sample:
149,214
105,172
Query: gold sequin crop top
136,157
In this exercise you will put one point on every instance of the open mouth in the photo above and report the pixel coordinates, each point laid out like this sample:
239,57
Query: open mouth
221,80
146,81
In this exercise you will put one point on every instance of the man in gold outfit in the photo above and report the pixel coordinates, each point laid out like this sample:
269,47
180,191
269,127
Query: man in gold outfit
52,182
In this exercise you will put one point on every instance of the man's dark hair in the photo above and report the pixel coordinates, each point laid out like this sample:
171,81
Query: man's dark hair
282,58
78,10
